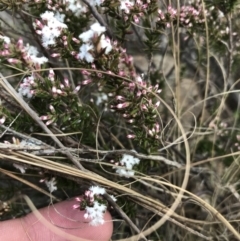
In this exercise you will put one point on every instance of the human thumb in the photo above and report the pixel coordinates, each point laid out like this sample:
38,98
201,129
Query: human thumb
59,222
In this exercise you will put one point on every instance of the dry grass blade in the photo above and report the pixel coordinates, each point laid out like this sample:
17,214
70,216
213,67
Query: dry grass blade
146,201
8,173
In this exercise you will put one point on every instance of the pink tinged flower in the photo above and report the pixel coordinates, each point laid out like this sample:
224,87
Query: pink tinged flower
122,105
52,109
2,120
13,61
66,81
105,44
144,107
44,117
5,52
139,93
87,193
54,89
74,53
131,136
131,86
121,73
136,19
39,24
157,127
39,32
20,44
85,72
150,132
119,97
75,40
130,121
55,55
129,60
51,75
59,91
86,82
49,122
157,104
77,89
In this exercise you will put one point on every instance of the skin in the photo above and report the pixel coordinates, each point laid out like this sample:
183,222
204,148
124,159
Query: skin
56,223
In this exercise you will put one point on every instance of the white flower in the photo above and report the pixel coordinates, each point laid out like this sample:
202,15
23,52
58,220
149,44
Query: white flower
32,52
20,167
60,16
95,213
84,54
76,7
125,5
113,198
52,29
5,39
25,87
105,44
86,36
122,172
95,2
101,97
96,190
128,162
51,184
47,15
97,28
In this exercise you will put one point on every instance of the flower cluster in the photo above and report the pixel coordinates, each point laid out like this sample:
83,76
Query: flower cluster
17,53
188,16
75,6
25,87
125,166
93,204
50,28
138,105
136,9
50,183
94,39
